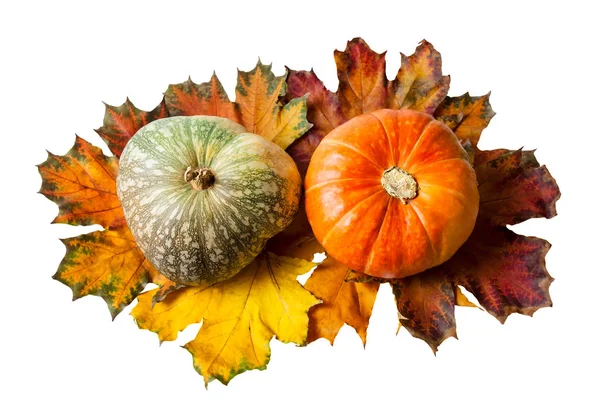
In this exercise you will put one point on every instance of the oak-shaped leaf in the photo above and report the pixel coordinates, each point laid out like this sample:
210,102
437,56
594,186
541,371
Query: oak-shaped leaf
122,122
82,184
105,263
239,316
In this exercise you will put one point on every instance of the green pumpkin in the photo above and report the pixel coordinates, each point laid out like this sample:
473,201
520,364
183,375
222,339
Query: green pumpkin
202,196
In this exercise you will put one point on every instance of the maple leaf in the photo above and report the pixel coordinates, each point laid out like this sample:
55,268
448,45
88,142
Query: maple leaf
239,316
189,98
107,264
426,306
258,94
419,84
513,188
82,183
343,302
466,115
122,122
361,73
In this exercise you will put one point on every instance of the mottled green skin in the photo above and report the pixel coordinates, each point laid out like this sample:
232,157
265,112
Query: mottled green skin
203,237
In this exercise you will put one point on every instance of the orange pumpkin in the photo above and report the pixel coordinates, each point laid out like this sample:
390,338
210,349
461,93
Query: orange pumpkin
391,193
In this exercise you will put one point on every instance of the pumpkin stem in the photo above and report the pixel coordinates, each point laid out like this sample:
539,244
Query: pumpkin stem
400,184
199,178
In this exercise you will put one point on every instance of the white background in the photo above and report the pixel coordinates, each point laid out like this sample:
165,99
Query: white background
60,359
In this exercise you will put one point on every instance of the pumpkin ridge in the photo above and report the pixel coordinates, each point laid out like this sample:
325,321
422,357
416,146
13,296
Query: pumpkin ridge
419,169
371,255
403,164
323,242
332,181
458,194
387,136
415,208
346,145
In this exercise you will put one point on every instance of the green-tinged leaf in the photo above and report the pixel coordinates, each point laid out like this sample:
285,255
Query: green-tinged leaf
107,264
82,183
466,115
419,84
258,95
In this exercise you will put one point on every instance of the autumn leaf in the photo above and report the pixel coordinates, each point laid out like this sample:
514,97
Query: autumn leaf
258,95
514,187
189,98
466,115
122,122
426,306
105,263
323,111
239,316
419,84
361,73
82,183
165,286
506,272
343,302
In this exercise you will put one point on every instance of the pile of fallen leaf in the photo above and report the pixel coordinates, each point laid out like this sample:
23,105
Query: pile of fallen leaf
505,271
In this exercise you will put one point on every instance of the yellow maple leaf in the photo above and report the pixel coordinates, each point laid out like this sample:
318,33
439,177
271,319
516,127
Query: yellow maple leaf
240,316
343,302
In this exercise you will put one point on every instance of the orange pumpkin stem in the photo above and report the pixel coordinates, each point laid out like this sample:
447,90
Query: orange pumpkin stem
400,184
199,178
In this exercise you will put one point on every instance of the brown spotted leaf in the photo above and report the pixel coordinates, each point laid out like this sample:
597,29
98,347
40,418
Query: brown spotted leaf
107,264
419,84
82,183
189,98
122,122
466,115
361,73
425,304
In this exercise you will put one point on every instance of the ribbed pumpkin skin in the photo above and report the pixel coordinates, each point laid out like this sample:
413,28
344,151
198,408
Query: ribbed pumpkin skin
204,236
365,228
